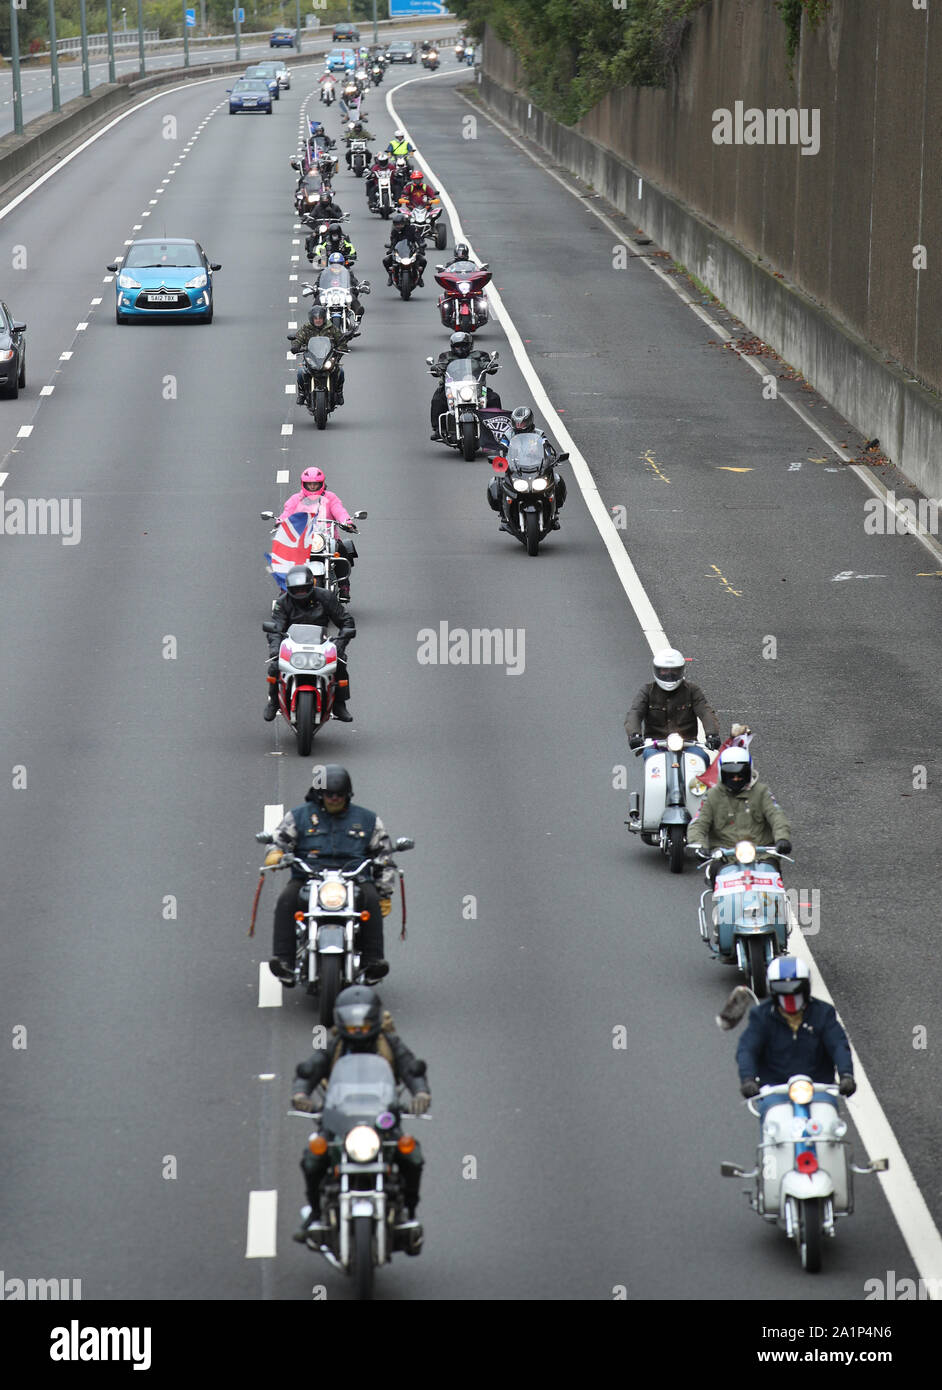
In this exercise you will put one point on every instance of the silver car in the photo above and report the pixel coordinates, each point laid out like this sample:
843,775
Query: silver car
279,70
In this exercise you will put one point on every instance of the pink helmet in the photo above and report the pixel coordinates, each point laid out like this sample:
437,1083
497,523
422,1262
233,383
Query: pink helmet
313,480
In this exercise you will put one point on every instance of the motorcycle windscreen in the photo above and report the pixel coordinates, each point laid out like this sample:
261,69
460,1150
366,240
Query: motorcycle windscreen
405,250
335,277
291,545
318,350
361,1087
307,634
526,454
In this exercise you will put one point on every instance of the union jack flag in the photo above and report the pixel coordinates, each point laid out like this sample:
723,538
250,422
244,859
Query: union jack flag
291,545
738,740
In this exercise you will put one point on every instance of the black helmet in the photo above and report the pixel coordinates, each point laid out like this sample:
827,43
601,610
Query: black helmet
461,252
460,344
330,778
735,769
399,219
335,231
358,1015
522,420
299,582
317,315
325,196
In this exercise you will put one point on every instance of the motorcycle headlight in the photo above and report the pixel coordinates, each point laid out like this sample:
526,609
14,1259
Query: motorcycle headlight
332,895
539,484
675,742
307,661
128,282
198,282
746,852
520,485
362,1144
801,1092
311,197
466,393
464,287
406,260
328,364
318,543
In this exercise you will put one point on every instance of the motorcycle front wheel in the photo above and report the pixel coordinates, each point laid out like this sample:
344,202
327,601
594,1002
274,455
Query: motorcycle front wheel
810,1234
328,976
320,410
468,443
304,722
531,530
755,955
676,845
405,284
363,1256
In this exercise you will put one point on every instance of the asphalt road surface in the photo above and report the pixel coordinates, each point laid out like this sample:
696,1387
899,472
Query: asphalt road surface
558,1166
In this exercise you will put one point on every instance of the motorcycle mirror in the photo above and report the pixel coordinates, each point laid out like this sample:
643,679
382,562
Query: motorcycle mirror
379,969
404,843
365,287
267,516
499,464
484,266
264,837
270,627
731,1170
360,516
294,162
561,458
429,361
439,267
308,289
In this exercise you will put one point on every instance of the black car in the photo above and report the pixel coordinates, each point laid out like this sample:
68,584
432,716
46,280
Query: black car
12,353
402,51
350,32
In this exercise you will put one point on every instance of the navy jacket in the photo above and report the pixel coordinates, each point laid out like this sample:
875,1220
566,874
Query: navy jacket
770,1051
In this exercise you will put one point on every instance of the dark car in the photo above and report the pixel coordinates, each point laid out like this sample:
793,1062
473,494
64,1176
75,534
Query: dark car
251,94
281,38
402,51
12,353
346,31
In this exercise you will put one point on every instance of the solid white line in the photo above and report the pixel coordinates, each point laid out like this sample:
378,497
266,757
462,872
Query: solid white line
902,1192
283,476
269,989
262,1225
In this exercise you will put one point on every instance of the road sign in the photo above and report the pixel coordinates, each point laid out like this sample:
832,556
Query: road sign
241,16
405,9
190,18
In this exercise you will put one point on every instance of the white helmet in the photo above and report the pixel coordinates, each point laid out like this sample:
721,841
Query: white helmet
669,668
735,769
789,983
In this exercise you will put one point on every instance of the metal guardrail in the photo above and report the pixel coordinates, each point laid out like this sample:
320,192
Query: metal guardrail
97,43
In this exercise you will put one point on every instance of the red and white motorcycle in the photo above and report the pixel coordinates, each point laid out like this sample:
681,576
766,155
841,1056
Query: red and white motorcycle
307,676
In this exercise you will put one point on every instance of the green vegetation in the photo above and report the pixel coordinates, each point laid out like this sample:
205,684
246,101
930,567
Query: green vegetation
574,51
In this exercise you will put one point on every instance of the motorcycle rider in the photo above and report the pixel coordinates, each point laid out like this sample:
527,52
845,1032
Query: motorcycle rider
350,98
330,829
521,422
357,132
417,193
401,229
326,506
791,1034
305,601
336,242
361,1026
402,171
459,346
380,165
462,263
324,210
319,325
400,146
739,807
670,704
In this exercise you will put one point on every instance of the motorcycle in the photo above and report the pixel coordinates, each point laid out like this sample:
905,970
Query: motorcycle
804,1169
302,537
362,79
459,51
382,199
321,359
328,92
317,233
359,157
426,221
362,1195
401,173
463,306
327,954
668,801
376,74
465,401
469,57
307,675
749,916
403,269
527,489
430,59
335,290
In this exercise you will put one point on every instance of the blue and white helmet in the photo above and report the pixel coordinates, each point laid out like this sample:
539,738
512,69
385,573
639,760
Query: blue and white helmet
789,983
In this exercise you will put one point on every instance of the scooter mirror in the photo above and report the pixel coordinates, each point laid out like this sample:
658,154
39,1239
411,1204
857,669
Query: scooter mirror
270,627
361,516
731,1170
428,359
485,266
404,843
264,837
294,162
562,458
267,516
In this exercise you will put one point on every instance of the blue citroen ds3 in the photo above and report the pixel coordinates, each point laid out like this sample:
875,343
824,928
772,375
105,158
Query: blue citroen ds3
164,277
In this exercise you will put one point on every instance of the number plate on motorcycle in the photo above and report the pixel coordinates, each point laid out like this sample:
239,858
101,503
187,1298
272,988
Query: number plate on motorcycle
361,1208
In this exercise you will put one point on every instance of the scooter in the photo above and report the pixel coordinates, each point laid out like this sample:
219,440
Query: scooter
803,1173
667,803
749,922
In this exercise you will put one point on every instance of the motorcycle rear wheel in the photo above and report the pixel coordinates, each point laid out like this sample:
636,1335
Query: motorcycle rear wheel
810,1234
304,722
363,1256
676,845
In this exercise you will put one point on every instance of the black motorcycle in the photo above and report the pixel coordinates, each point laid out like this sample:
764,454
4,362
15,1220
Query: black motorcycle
524,489
404,269
322,360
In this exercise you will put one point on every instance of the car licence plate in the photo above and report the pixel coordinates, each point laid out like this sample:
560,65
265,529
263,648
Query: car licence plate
249,101
162,298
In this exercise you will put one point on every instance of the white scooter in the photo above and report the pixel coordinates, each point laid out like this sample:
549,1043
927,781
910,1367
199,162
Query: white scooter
803,1172
668,801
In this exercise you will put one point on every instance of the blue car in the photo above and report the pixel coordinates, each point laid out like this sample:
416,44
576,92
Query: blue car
164,277
263,74
341,58
281,38
250,94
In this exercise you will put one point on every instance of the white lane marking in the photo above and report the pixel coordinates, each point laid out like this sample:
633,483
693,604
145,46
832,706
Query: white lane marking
266,1076
64,356
292,299
287,429
96,301
146,214
81,327
900,1187
47,390
289,389
3,478
153,203
295,258
282,476
269,989
292,277
129,243
136,227
107,280
24,432
292,323
262,1225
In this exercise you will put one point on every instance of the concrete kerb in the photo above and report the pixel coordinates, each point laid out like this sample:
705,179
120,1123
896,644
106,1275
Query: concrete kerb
876,396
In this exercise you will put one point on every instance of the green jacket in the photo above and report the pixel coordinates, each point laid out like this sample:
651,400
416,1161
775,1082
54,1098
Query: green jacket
726,819
307,331
363,135
346,249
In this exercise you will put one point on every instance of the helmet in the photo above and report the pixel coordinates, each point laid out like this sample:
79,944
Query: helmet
300,582
461,252
335,231
358,1014
325,195
357,126
398,135
330,778
417,176
522,419
669,668
312,479
460,344
399,219
735,769
335,258
789,983
316,128
317,315
382,157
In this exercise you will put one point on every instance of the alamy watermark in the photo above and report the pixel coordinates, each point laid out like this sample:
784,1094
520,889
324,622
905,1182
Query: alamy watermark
476,646
42,516
776,126
38,1290
892,516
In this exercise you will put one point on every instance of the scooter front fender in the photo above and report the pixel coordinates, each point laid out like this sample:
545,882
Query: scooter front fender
675,815
804,1185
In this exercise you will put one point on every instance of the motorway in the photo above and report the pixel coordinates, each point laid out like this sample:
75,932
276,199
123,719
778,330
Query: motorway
594,1167
36,81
